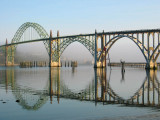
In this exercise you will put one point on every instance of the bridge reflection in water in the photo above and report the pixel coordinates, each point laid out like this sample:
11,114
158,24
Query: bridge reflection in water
98,90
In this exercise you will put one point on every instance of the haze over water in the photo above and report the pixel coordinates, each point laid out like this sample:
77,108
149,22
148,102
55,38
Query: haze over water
78,93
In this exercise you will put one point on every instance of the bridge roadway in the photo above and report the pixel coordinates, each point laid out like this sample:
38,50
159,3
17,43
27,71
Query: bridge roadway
83,35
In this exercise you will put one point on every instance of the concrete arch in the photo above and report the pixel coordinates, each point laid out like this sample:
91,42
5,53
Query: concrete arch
109,44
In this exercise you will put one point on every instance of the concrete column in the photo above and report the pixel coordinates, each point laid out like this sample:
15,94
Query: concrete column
50,53
148,35
55,63
95,50
104,52
12,47
58,47
6,54
151,64
102,61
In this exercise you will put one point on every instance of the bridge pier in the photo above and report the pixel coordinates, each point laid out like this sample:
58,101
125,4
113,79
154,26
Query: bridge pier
53,63
95,55
6,54
9,55
102,62
12,55
151,65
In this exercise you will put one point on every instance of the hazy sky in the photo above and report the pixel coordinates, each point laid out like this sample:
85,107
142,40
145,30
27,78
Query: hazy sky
82,16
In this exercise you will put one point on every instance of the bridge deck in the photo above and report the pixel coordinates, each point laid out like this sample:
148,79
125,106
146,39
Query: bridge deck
80,35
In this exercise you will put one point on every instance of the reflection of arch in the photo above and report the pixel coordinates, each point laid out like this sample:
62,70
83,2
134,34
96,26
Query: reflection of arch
114,95
40,30
25,95
100,75
108,95
62,91
116,38
22,94
150,79
87,94
58,88
150,83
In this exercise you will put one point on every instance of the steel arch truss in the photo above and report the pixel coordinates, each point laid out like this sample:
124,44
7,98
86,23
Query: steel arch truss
17,39
150,47
58,49
40,30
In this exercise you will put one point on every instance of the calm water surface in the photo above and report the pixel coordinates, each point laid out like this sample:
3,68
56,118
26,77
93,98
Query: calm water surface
77,93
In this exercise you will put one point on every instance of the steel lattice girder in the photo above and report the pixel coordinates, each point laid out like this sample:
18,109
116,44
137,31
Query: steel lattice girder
89,44
40,30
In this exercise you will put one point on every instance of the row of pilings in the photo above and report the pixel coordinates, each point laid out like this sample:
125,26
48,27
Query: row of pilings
70,64
135,65
28,64
33,64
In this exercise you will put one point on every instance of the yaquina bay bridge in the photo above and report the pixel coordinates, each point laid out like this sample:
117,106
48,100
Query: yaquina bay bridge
98,44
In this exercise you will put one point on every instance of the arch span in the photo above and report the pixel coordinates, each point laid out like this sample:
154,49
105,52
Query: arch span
139,44
39,29
89,44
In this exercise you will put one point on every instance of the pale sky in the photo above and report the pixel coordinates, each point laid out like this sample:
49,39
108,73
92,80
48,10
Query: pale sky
82,16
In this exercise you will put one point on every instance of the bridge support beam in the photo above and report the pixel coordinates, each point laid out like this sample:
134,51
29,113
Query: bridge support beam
58,50
95,55
12,55
55,64
102,62
9,55
6,54
50,49
151,65
51,55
